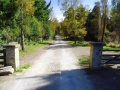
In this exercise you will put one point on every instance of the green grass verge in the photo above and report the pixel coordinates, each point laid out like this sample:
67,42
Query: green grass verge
82,44
110,48
29,49
84,60
23,67
1,80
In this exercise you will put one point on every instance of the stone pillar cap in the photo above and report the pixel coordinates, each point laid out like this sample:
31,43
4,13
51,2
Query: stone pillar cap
97,43
12,45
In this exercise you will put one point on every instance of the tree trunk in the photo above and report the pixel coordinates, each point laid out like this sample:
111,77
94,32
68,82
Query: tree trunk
75,40
22,33
103,32
22,40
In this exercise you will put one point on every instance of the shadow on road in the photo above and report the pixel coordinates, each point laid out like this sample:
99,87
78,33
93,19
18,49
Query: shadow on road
103,79
58,45
54,47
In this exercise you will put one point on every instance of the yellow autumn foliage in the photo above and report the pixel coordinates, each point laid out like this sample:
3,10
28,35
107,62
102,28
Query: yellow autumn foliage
27,6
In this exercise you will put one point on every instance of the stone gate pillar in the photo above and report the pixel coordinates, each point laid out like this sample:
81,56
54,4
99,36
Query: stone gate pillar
96,54
12,55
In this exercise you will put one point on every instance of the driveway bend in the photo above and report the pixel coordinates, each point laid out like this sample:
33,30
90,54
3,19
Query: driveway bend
56,69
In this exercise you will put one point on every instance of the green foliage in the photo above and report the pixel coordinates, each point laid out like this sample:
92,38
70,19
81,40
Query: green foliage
92,24
10,34
42,10
112,46
1,42
55,27
115,20
35,30
82,44
75,19
24,21
74,22
26,7
42,13
8,10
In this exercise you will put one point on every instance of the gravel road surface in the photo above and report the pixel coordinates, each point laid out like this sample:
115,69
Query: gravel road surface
56,69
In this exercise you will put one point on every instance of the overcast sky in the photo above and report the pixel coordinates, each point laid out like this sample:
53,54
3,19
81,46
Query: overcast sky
58,13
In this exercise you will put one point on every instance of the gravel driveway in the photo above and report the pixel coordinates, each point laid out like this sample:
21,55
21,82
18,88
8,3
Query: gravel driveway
56,69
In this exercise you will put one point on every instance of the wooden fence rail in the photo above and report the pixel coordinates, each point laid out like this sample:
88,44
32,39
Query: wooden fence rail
112,58
3,57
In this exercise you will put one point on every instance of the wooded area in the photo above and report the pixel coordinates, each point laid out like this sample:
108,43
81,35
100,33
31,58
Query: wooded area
29,21
24,21
99,24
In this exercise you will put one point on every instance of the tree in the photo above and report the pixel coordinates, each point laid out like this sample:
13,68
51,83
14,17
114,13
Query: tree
24,20
55,26
8,20
74,23
42,10
26,9
81,16
115,18
42,13
35,30
104,9
75,15
8,10
64,28
93,23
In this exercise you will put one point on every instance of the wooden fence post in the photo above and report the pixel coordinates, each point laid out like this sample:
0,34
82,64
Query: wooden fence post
4,54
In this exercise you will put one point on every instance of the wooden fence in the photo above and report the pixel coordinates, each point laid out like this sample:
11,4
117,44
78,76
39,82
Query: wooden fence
112,58
3,57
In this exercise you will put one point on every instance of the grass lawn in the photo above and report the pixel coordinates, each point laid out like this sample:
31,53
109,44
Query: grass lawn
23,67
29,49
111,48
82,44
84,60
1,80
85,44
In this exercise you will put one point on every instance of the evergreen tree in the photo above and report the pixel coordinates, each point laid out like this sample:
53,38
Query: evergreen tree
8,11
92,23
42,13
26,9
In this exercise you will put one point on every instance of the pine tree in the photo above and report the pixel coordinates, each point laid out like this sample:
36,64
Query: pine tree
92,24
